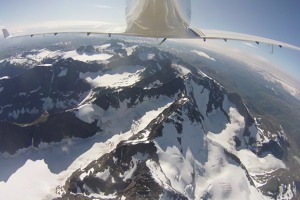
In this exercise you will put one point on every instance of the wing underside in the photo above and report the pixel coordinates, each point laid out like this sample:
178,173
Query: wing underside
99,29
192,33
225,35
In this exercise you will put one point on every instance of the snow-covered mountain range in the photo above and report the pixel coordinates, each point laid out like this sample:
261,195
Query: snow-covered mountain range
127,121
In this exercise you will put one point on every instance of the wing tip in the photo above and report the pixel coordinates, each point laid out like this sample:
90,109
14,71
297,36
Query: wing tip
6,34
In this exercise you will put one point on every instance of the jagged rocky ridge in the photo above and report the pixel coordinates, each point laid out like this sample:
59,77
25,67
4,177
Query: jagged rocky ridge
184,152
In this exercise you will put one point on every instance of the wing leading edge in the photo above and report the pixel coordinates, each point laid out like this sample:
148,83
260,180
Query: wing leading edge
192,33
225,35
99,29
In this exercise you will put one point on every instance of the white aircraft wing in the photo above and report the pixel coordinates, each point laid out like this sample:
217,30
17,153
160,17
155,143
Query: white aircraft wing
104,28
99,29
122,30
224,35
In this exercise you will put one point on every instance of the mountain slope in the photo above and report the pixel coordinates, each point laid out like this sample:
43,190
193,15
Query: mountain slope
158,128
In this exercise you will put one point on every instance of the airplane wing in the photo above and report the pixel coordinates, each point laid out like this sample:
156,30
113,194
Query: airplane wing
99,29
103,28
224,35
122,30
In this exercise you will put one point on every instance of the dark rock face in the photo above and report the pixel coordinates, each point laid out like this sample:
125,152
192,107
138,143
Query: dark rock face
274,148
13,138
24,100
11,70
53,128
53,89
88,50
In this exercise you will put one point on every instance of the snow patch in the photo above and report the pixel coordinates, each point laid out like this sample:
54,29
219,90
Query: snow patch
151,56
45,65
178,169
104,46
183,70
224,180
37,89
26,183
114,79
20,61
63,73
4,77
40,56
86,58
103,175
118,80
15,113
48,103
255,164
130,50
286,191
128,174
86,112
154,84
235,127
157,172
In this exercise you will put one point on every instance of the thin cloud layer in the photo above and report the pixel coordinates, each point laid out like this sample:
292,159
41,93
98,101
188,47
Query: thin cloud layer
202,54
102,6
258,63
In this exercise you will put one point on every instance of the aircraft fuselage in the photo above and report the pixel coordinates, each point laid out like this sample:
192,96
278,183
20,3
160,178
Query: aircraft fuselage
158,18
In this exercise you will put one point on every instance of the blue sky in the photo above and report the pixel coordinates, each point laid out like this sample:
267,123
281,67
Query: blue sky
276,19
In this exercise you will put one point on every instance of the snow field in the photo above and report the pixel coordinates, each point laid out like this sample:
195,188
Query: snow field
115,78
45,185
86,58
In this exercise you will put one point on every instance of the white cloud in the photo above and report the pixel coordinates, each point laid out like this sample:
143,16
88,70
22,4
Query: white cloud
287,86
102,6
258,63
200,53
228,49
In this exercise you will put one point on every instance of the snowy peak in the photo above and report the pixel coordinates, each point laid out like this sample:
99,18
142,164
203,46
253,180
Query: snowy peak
126,170
177,150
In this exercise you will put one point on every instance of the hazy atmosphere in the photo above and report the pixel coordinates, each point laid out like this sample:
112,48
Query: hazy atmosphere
93,109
